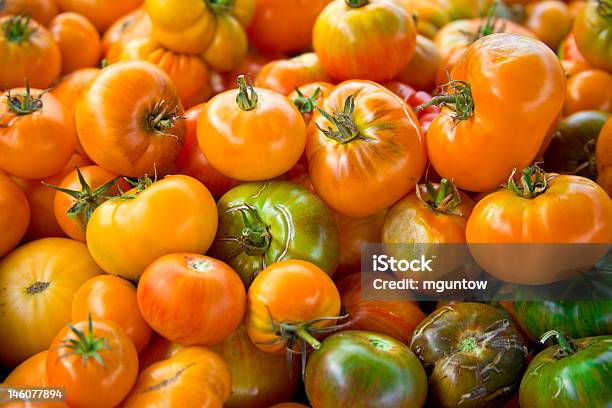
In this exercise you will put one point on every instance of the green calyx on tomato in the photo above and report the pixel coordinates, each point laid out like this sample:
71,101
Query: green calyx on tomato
445,200
162,117
306,104
141,184
87,200
346,129
533,182
86,345
455,95
25,103
17,29
247,97
604,8
357,3
490,24
255,236
220,6
566,348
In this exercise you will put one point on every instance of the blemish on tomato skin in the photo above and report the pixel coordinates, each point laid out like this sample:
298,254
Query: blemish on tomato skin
167,381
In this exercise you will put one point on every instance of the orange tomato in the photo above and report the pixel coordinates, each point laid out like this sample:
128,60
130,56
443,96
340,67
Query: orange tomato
593,31
550,21
100,12
135,24
14,214
364,123
129,120
68,88
189,72
211,290
603,157
108,297
251,64
158,349
261,138
421,71
473,140
365,39
589,90
281,26
284,75
78,40
218,55
37,135
307,97
126,248
193,377
192,161
28,51
37,282
95,361
42,11
288,302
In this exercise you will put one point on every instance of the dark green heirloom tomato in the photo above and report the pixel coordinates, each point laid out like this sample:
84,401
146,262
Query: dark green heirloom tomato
265,222
593,32
571,374
572,149
360,369
474,357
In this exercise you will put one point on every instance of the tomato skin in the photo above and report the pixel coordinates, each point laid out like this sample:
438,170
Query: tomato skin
38,281
38,144
585,369
42,11
218,55
288,211
68,88
380,367
140,145
251,64
593,32
109,297
421,71
14,214
250,145
431,15
550,21
259,379
283,27
133,25
342,173
193,377
102,13
603,157
589,90
92,384
211,290
78,40
458,339
464,151
158,349
288,291
347,53
35,56
284,75
152,213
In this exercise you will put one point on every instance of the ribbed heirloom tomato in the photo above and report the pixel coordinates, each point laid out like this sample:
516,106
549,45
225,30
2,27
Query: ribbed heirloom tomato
480,135
129,120
284,75
593,32
364,148
211,291
124,234
14,214
367,39
251,133
78,40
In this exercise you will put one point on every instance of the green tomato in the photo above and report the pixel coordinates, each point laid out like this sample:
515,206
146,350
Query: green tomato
593,32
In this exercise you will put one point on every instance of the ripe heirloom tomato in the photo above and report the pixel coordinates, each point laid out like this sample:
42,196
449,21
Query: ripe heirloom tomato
288,302
100,12
28,51
365,39
124,234
421,71
251,64
108,297
431,15
307,97
192,161
473,355
550,21
95,361
259,379
368,310
189,72
603,157
284,75
263,223
364,369
473,141
193,377
211,291
135,24
36,134
78,40
228,30
129,120
14,214
68,88
261,138
593,32
361,123
79,194
40,10
589,90
281,26
37,282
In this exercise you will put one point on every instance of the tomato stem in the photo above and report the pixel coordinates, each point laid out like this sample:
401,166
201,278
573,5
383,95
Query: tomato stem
346,128
255,237
455,95
445,199
302,333
25,103
357,3
85,345
565,343
163,116
247,97
489,26
533,182
604,8
306,104
17,29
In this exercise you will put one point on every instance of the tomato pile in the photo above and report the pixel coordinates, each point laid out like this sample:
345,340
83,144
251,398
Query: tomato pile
186,186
